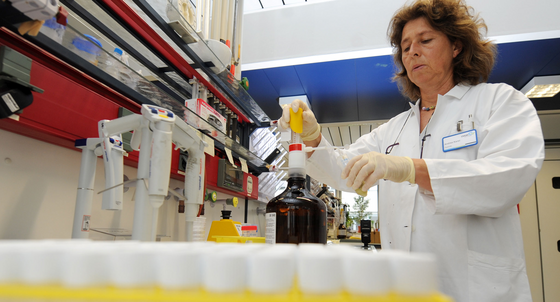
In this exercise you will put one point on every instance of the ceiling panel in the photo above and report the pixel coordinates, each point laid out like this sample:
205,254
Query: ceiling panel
326,134
271,3
517,63
285,80
331,89
251,5
553,66
361,89
378,95
263,92
355,132
345,134
365,129
552,103
335,135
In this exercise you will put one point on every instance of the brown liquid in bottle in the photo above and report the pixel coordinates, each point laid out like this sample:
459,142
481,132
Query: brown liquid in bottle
300,216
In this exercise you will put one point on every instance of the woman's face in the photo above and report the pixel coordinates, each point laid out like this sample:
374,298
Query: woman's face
427,55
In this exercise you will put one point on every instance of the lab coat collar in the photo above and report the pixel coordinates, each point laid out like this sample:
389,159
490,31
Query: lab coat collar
456,92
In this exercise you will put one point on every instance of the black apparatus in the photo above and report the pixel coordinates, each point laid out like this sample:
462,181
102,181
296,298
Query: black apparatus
365,226
15,89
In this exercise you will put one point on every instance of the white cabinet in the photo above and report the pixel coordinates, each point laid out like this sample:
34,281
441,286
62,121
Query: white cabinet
540,221
548,202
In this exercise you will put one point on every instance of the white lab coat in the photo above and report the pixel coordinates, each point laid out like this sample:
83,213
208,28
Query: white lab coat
470,222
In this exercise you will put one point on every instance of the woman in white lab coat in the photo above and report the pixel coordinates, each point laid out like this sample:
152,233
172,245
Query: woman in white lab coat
452,168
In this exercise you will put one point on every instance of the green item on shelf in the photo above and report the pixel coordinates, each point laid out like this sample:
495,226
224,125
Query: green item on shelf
212,196
244,83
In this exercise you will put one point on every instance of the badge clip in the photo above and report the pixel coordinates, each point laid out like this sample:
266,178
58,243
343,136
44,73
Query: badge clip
460,126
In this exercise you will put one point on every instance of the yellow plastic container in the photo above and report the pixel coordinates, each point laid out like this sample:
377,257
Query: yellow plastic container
224,227
296,120
239,239
30,293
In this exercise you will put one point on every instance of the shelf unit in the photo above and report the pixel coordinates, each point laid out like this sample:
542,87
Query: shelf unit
167,49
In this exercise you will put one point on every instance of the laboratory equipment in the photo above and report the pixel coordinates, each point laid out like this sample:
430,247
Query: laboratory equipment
154,129
342,162
249,231
296,215
36,9
154,167
160,161
91,149
15,89
365,226
224,226
52,29
37,270
188,139
113,161
207,112
87,47
112,63
229,177
109,146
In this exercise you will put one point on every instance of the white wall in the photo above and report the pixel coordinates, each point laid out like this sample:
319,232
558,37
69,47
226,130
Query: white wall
38,183
341,26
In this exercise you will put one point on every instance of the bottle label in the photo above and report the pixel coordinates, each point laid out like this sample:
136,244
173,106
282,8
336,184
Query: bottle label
270,235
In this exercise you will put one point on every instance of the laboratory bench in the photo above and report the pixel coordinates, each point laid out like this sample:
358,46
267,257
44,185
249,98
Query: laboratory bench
358,243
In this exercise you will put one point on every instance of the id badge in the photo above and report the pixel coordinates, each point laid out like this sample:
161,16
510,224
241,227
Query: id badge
460,140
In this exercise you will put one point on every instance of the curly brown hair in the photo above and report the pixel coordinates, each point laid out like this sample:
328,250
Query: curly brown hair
456,20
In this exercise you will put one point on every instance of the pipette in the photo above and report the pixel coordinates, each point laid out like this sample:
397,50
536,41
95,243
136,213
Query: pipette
296,124
311,149
296,154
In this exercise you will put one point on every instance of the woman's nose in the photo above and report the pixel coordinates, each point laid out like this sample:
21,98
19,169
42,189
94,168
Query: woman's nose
414,50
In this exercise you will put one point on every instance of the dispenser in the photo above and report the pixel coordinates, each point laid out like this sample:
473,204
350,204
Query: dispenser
225,226
296,215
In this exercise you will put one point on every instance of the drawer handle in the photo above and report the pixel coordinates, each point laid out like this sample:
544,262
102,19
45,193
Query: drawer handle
556,182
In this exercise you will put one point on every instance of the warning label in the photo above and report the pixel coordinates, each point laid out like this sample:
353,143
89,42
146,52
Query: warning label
10,102
270,234
85,223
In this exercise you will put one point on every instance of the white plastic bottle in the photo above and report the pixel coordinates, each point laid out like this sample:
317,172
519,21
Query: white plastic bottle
112,64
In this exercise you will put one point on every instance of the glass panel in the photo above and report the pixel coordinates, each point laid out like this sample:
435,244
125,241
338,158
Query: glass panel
87,49
369,212
208,51
179,80
156,28
102,16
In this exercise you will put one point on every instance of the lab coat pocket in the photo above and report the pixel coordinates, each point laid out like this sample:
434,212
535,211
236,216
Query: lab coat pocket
496,279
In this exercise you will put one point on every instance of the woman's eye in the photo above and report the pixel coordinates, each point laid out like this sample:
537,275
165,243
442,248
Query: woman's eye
406,49
426,41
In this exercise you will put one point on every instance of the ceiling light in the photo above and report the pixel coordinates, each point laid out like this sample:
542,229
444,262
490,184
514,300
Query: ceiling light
542,87
290,99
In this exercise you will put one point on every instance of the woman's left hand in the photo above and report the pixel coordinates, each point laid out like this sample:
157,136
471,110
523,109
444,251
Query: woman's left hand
363,171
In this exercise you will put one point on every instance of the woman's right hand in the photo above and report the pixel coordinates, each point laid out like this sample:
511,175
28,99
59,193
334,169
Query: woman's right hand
311,129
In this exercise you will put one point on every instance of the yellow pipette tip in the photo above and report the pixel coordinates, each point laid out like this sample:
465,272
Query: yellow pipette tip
296,120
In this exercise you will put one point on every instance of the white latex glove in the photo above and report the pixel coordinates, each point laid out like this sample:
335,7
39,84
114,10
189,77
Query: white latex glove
363,171
311,130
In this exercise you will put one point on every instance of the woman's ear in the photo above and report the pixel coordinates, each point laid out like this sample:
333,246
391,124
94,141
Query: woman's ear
457,48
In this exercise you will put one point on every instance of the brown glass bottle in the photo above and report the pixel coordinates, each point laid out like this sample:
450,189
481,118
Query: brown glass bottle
300,217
